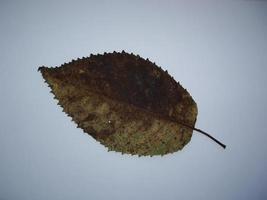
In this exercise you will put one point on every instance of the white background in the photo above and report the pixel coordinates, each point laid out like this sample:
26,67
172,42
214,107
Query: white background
216,49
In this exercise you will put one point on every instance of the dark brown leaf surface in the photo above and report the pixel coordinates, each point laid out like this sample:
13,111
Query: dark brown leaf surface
125,102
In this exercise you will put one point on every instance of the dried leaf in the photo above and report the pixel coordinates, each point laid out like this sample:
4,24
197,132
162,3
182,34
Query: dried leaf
125,102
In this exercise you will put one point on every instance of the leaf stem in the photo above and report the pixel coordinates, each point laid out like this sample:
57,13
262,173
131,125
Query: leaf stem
208,135
205,133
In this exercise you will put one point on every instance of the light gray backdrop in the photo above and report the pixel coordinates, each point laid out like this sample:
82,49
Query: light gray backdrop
216,49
